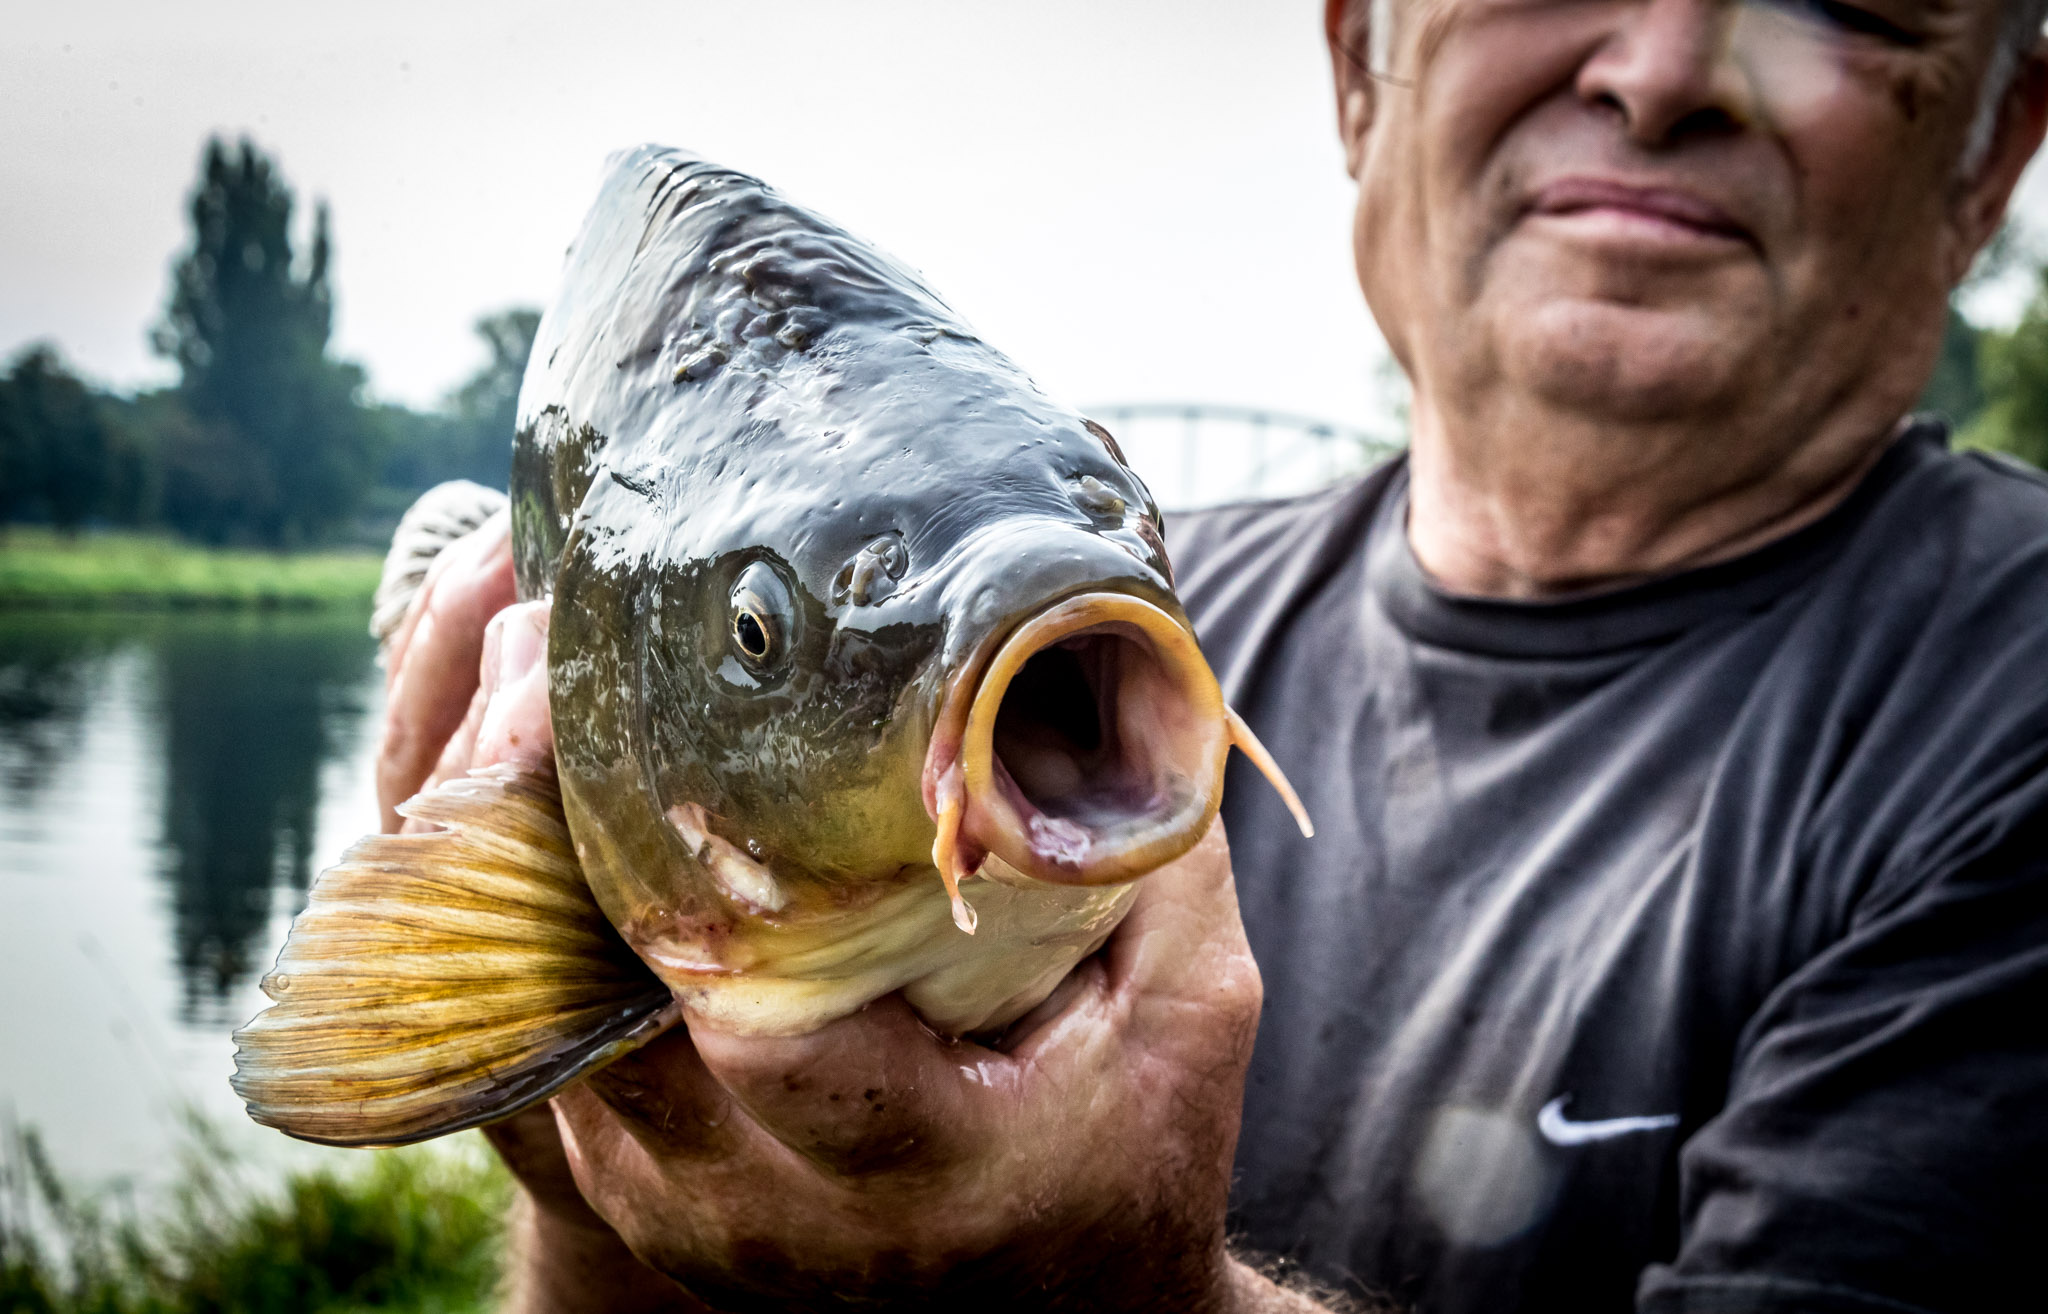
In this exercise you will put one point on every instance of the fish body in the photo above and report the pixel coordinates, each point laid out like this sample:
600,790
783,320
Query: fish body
866,675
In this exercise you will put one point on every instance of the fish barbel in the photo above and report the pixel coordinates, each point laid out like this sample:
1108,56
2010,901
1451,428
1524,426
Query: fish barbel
866,675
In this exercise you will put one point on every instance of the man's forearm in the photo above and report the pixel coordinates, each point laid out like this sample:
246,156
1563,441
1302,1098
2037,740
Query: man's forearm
1254,1292
554,1267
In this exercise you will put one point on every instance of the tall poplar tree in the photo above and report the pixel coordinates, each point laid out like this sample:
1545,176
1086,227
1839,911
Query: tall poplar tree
289,449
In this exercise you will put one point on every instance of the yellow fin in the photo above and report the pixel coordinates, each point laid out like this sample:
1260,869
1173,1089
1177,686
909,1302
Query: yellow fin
443,980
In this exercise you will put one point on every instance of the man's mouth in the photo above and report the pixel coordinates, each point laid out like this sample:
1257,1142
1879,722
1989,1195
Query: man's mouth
1631,212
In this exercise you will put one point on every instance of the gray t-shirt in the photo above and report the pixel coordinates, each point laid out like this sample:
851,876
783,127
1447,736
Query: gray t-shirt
1683,947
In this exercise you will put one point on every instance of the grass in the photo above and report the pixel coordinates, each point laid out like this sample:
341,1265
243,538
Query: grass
415,1231
42,569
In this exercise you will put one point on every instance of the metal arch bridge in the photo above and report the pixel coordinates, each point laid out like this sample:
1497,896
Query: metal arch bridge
1194,454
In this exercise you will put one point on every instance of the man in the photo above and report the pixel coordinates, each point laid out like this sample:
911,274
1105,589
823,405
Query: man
1673,715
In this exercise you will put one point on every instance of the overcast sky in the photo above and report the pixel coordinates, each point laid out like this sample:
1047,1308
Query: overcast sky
1140,200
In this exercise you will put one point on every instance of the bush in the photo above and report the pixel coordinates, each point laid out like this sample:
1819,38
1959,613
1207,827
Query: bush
418,1229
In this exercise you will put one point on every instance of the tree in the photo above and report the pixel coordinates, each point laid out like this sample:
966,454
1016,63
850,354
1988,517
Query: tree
55,454
21,465
471,436
1956,391
288,448
2014,368
487,406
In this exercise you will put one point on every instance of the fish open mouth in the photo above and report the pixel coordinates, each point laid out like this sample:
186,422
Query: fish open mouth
1090,751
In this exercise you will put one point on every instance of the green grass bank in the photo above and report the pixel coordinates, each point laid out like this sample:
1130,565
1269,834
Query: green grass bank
416,1231
134,571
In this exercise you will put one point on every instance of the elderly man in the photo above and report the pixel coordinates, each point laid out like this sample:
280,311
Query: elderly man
1674,713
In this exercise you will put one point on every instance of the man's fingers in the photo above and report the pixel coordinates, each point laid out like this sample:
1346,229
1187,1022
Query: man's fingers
434,659
516,727
509,720
878,1093
873,1091
878,1090
867,1093
663,1095
479,551
1185,914
460,750
1182,951
606,1160
531,1147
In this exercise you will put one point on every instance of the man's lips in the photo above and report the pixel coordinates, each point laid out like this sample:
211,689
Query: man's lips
1639,208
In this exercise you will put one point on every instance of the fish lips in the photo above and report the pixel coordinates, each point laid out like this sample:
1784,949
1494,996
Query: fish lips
1082,740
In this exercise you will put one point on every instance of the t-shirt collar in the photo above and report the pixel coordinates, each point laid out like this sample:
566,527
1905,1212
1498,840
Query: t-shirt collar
1636,615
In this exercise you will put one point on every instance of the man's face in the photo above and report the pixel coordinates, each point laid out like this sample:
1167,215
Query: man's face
1651,209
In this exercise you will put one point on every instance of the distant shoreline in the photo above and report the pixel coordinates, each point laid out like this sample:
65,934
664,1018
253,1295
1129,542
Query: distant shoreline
41,570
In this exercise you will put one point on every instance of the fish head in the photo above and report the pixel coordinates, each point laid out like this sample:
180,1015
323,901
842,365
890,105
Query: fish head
811,683
818,697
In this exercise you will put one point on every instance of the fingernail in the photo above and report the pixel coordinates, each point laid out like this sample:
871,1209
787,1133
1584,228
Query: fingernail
521,644
487,669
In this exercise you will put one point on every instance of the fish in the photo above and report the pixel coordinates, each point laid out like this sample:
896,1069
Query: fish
866,672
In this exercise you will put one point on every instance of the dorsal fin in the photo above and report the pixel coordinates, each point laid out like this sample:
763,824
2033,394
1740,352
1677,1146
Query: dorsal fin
443,980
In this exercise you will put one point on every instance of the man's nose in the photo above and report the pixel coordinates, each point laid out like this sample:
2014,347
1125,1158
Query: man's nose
1666,71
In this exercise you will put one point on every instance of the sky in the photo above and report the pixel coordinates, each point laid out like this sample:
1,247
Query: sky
1138,201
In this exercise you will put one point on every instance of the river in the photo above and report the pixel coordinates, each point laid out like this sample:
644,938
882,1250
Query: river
169,784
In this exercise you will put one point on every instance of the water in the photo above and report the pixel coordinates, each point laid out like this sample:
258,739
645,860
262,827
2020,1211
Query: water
169,784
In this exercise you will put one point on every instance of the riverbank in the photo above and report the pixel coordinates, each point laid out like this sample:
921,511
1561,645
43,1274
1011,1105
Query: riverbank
135,571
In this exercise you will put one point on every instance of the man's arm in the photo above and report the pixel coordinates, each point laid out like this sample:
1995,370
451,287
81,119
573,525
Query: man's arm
1257,1290
560,1255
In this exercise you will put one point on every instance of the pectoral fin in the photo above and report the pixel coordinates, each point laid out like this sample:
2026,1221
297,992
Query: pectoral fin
443,980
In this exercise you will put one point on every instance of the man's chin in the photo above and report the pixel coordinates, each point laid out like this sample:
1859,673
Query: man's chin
1631,363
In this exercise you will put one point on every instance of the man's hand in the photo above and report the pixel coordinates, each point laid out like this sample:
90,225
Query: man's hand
433,698
1082,1163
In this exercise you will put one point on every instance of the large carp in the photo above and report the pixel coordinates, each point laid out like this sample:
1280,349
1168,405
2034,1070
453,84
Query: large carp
866,675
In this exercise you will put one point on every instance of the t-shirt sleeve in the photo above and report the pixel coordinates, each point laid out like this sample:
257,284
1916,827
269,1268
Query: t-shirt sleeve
1884,1145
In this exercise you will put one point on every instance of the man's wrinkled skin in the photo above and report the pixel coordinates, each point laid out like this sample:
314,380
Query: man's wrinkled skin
1665,273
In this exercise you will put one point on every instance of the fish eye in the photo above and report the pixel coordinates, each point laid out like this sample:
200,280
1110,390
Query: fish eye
750,630
761,616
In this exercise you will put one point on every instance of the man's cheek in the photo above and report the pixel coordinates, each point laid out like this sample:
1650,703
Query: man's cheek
1491,64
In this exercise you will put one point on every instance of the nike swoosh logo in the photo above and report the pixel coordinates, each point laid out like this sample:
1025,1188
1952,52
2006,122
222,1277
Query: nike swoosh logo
1562,1131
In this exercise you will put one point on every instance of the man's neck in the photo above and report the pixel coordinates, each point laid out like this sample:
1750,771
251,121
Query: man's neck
1545,504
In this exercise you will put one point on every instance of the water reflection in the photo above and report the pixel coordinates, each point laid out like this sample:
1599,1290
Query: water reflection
46,667
244,710
250,709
